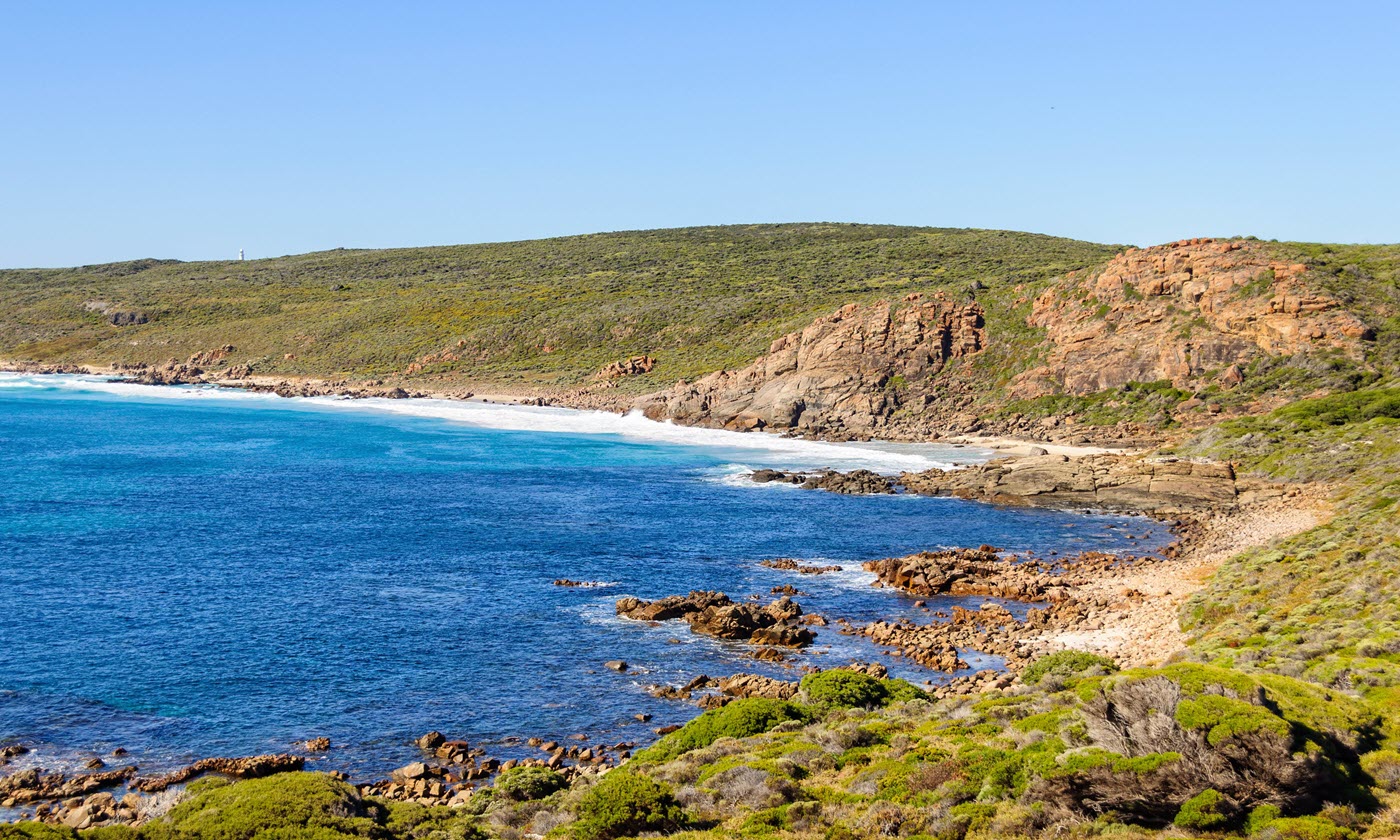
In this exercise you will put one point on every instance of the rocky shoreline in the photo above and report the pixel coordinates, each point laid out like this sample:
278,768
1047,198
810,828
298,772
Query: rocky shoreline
1082,595
1122,606
1160,486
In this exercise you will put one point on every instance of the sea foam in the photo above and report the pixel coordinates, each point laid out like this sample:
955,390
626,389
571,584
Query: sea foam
753,449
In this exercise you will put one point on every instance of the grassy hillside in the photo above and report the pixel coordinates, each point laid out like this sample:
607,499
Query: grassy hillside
1284,726
548,311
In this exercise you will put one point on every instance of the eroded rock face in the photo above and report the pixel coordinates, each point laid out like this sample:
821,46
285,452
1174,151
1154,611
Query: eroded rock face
845,372
1190,312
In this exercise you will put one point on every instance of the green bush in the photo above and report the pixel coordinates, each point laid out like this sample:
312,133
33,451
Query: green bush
1206,811
306,806
111,832
205,783
36,831
623,804
1261,817
528,783
1383,766
739,719
415,821
841,689
1065,664
1306,828
901,691
1341,409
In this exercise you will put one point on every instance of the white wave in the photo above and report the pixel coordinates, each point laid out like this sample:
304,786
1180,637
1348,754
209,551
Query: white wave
758,448
738,475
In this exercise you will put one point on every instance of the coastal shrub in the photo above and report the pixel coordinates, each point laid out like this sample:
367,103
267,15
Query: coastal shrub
740,719
624,804
415,821
526,783
205,783
283,806
1206,811
841,689
1304,828
36,831
111,832
901,691
1261,817
1065,664
1252,738
1341,409
1383,766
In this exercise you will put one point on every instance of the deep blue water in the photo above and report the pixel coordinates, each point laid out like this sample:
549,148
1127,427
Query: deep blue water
188,574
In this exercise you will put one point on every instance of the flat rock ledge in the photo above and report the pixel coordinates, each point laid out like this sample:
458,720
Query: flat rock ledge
1121,483
1108,482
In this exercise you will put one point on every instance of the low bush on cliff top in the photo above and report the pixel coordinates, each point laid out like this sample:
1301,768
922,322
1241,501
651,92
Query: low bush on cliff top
843,689
739,719
624,804
1064,664
527,783
286,805
301,806
1205,811
36,831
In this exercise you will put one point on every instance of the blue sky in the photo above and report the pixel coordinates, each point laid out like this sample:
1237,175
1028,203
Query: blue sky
191,130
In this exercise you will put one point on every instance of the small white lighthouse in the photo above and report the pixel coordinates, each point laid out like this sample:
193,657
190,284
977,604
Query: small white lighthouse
240,254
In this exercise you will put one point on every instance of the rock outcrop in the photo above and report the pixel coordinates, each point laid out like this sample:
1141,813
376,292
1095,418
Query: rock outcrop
33,785
251,767
635,366
714,614
853,483
1108,482
1192,312
844,374
962,571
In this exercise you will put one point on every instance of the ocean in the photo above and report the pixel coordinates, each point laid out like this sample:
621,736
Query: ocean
189,572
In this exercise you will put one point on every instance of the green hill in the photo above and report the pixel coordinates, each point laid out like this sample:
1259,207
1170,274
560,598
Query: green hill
548,311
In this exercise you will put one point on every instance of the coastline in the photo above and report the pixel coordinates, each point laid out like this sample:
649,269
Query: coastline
1136,630
585,399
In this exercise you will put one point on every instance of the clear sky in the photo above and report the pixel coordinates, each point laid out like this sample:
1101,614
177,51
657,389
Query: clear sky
191,130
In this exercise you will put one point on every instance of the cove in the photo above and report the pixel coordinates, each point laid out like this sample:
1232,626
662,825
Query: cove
187,573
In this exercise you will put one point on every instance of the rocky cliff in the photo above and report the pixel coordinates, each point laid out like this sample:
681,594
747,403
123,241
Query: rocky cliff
1196,313
1192,312
846,372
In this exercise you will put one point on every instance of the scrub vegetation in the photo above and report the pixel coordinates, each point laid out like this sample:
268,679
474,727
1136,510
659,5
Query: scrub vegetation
549,311
1187,747
1278,721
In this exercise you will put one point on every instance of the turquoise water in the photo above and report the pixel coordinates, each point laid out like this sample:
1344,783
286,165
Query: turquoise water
186,572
